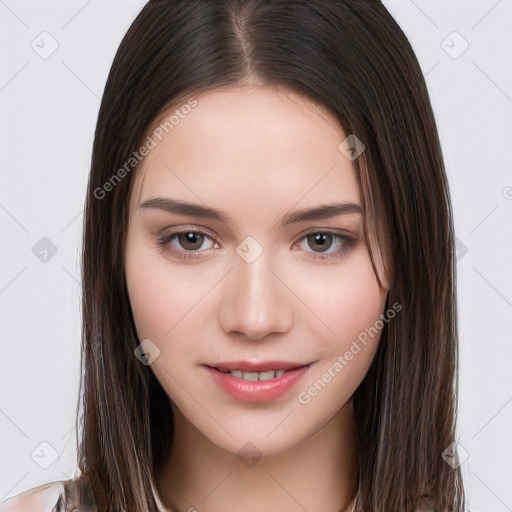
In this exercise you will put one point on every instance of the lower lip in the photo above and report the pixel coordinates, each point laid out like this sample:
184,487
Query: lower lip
256,391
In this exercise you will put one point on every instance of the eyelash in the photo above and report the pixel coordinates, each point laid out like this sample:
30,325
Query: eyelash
164,245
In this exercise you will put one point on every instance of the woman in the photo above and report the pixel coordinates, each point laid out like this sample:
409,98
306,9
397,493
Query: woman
268,270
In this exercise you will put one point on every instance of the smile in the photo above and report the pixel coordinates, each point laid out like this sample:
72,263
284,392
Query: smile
255,382
254,376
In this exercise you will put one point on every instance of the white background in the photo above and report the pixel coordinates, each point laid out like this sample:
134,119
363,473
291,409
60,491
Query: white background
48,110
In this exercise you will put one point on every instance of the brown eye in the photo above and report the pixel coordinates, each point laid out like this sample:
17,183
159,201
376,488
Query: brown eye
320,241
323,245
186,244
190,241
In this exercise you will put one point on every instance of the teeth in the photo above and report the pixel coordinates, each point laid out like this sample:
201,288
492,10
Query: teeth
266,375
254,376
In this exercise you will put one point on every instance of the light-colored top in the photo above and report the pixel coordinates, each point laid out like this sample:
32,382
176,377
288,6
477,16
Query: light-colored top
74,495
60,496
64,496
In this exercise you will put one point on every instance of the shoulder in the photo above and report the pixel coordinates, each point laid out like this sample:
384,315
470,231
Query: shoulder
43,498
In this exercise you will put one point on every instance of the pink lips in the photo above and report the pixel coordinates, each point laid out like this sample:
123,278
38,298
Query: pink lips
256,391
248,366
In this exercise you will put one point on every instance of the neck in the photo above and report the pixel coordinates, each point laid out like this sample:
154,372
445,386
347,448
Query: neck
318,474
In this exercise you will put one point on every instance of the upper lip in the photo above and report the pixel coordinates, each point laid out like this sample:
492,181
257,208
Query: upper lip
257,366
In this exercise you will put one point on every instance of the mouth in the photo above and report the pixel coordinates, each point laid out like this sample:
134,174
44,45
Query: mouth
256,382
253,372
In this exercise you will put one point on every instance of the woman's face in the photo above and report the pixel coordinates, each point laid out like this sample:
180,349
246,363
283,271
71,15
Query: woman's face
259,284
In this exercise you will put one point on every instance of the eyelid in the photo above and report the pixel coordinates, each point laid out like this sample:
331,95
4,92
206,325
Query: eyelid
327,231
186,228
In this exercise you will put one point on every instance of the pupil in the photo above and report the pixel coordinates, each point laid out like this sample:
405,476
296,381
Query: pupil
321,241
185,238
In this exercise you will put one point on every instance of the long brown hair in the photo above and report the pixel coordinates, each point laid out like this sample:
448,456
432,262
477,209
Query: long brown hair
351,57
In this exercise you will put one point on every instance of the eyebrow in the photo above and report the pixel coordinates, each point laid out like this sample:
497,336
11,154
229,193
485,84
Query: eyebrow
325,211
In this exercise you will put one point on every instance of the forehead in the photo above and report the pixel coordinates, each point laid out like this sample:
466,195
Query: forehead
260,145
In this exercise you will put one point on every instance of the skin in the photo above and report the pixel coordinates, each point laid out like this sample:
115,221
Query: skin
257,153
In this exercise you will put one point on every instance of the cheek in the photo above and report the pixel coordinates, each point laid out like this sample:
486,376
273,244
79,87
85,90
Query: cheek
352,310
166,303
346,298
149,301
155,296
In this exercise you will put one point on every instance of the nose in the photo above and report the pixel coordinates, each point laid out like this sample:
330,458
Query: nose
256,302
